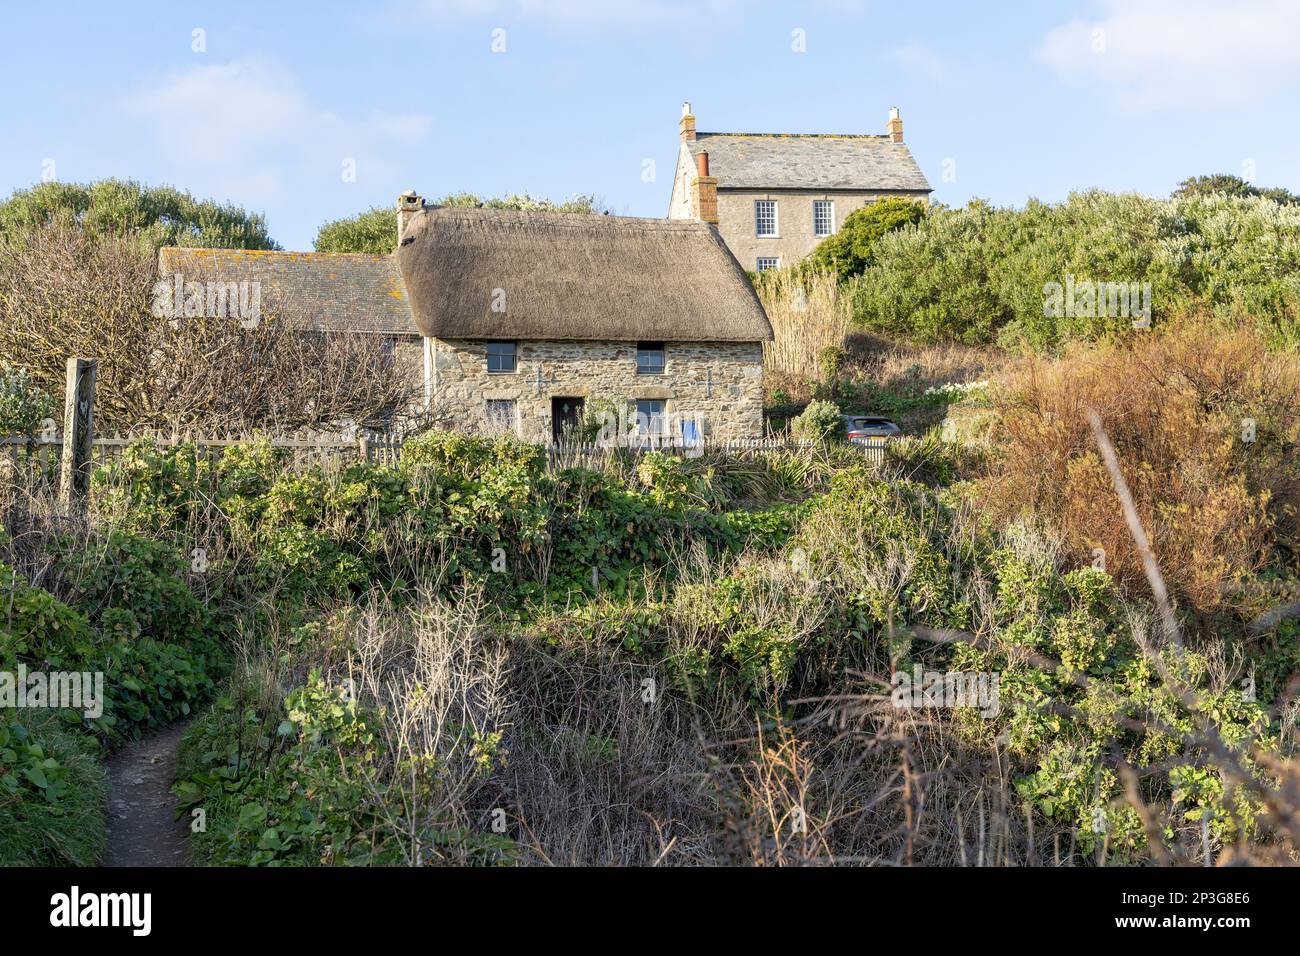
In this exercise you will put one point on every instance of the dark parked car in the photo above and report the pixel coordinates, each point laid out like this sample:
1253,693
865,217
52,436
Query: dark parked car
869,429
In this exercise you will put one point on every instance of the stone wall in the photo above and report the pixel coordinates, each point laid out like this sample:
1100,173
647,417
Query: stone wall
795,237
720,383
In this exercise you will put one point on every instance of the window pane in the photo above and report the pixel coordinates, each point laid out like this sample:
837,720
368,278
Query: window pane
650,416
501,356
649,358
500,415
823,217
765,217
765,263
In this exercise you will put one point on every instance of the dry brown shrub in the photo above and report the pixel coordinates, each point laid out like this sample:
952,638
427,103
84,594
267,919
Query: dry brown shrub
64,294
1174,403
891,361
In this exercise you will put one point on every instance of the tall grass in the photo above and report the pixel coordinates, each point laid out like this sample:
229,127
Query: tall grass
809,313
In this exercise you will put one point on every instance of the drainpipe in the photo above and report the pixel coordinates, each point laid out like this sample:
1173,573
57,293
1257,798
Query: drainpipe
428,373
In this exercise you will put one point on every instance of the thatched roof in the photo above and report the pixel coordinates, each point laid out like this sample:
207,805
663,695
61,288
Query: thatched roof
341,292
809,161
574,276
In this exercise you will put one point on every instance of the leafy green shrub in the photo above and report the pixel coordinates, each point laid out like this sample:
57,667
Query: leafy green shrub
157,215
820,421
53,792
305,795
979,274
895,558
144,579
850,249
149,681
455,500
23,404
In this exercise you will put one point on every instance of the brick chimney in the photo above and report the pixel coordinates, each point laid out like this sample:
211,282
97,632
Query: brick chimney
704,191
895,126
688,123
408,204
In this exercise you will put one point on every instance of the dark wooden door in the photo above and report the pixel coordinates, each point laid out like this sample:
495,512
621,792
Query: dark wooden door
566,416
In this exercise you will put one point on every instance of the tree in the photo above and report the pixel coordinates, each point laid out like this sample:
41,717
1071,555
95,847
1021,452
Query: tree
375,230
157,215
1230,185
849,251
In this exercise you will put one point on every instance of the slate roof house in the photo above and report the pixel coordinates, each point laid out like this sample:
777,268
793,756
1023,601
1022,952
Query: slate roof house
520,321
774,196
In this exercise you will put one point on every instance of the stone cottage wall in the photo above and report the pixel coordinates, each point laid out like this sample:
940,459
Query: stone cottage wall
721,383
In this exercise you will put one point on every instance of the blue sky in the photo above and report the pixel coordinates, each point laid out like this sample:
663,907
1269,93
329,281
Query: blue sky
269,103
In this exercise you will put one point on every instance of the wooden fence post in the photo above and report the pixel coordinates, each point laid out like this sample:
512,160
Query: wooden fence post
78,430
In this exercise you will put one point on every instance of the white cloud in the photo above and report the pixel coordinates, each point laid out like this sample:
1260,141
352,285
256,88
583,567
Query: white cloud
1159,53
247,130
921,63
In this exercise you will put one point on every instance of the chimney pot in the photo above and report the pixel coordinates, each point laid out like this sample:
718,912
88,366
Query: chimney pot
408,204
704,191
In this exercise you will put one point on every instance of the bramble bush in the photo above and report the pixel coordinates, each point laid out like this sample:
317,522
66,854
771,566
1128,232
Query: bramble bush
480,510
749,593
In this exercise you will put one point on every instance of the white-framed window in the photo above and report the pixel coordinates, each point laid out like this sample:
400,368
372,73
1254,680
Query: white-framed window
765,221
823,217
768,262
650,417
501,416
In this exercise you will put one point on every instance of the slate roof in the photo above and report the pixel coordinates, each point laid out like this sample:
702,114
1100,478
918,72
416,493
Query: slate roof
574,277
809,161
339,291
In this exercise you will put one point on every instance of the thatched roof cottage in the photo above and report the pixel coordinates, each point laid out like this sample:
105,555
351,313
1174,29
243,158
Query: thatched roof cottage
538,322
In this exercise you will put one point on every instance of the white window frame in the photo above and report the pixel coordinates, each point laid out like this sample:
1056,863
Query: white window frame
775,260
513,424
651,426
776,220
831,204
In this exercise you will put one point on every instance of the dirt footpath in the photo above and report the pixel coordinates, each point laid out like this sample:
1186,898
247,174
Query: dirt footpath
141,831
